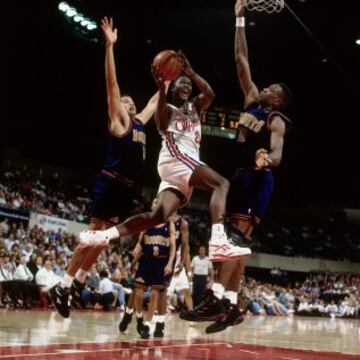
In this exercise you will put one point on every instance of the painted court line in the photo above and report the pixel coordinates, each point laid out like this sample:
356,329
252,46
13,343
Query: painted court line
78,351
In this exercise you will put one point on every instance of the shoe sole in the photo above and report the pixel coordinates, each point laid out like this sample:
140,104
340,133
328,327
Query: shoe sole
238,321
218,258
208,318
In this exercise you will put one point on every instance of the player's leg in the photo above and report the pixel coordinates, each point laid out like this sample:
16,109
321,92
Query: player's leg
129,309
139,308
169,200
59,294
160,319
145,333
219,247
188,299
256,188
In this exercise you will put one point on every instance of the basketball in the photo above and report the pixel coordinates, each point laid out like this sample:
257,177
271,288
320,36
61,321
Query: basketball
167,64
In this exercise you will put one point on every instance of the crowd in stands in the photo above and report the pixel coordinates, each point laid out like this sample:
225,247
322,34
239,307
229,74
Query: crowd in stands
46,193
322,294
336,241
30,189
34,259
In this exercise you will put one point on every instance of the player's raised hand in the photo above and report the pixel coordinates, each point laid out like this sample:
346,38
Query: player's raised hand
109,32
160,82
239,8
185,64
262,159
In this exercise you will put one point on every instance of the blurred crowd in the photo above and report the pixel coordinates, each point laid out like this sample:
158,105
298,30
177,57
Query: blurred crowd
29,189
323,294
32,260
46,193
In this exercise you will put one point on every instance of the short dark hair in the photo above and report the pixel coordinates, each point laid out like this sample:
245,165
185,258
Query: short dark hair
103,274
287,94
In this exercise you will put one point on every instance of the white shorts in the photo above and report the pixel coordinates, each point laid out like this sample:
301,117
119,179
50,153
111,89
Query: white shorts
175,171
179,282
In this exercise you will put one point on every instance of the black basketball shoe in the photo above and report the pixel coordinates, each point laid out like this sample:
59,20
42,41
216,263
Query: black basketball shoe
232,317
126,320
210,309
60,299
159,330
139,324
145,332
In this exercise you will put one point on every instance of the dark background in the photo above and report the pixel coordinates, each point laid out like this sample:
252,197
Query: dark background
56,100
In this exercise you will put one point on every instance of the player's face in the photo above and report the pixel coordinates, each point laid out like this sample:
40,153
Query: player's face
271,95
129,105
182,88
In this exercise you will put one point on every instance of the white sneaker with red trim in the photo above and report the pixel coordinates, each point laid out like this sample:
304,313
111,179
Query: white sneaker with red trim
221,249
93,238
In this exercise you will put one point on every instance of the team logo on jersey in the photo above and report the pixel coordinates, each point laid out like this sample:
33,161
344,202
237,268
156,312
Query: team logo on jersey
139,136
156,251
251,122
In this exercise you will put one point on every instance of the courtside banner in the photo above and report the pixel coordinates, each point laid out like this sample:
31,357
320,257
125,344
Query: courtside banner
54,223
14,214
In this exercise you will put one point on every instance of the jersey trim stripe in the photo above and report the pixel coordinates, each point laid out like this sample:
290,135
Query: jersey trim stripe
175,152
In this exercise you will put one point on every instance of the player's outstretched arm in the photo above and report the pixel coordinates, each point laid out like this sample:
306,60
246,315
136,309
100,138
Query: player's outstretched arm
146,114
119,118
249,89
207,94
273,158
163,112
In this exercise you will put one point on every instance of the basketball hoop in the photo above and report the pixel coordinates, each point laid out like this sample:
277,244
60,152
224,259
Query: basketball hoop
269,6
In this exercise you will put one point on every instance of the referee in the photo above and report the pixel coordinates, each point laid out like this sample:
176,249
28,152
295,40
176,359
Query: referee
203,272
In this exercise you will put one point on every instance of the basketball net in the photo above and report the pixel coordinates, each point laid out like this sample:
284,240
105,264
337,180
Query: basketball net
269,6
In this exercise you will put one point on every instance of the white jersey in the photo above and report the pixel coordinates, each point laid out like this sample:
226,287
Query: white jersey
183,134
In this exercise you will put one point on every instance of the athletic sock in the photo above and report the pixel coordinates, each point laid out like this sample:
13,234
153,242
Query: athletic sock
160,318
218,290
130,311
232,296
81,275
217,231
67,281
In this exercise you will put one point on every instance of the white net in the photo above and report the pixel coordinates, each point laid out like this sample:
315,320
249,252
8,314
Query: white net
269,6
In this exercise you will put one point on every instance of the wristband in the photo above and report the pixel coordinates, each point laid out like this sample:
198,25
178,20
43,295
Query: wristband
189,273
240,21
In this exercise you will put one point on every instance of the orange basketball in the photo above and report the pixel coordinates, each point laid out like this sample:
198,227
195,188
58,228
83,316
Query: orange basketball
167,64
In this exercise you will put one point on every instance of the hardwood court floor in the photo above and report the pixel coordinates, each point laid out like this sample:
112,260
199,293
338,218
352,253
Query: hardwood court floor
94,335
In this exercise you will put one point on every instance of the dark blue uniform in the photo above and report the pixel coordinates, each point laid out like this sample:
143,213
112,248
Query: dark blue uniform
114,185
155,256
251,189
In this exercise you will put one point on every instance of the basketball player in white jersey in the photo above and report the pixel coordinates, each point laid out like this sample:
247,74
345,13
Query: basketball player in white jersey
180,168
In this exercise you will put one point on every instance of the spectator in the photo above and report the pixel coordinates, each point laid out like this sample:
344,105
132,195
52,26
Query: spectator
22,272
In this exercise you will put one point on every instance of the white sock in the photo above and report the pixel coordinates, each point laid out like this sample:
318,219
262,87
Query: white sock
217,230
129,311
139,315
147,323
232,296
218,290
81,275
111,233
160,318
67,281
